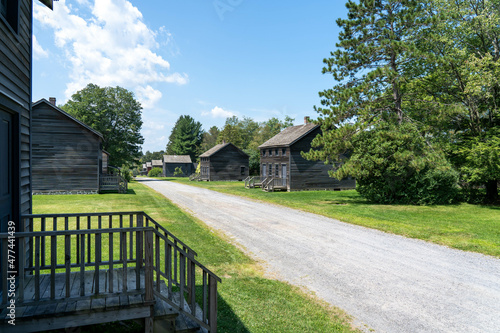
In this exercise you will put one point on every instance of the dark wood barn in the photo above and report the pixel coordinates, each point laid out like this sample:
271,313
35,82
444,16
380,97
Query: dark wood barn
281,162
171,162
225,161
66,153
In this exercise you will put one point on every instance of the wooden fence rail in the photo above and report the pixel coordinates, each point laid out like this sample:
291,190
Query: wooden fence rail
57,247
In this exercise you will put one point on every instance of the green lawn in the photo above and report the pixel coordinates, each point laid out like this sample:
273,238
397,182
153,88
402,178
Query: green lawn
248,300
466,227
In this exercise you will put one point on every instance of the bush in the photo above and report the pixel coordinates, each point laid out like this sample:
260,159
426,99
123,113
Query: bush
395,165
178,172
155,172
126,173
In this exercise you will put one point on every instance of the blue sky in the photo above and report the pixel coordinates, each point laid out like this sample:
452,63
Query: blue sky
207,59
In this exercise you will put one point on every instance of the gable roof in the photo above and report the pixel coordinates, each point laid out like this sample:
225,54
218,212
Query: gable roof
43,100
290,135
177,159
218,147
157,163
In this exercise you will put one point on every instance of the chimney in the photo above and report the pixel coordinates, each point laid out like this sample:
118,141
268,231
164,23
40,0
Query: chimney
52,100
306,120
223,142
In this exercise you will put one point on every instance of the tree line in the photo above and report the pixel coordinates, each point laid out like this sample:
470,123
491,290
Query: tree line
189,138
416,100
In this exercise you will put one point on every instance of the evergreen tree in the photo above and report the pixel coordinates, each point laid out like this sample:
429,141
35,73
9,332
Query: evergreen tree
185,138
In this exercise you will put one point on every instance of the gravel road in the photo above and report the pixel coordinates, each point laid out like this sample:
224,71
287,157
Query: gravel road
386,282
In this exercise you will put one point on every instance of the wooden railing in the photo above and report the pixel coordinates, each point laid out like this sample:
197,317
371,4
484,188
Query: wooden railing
194,176
109,243
271,183
113,183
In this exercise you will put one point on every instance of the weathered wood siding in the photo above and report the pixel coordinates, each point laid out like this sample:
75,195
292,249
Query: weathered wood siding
274,158
227,164
309,175
66,155
169,169
15,99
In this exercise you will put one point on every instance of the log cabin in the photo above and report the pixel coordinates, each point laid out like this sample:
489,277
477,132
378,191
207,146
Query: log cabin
171,162
67,155
64,271
283,167
225,161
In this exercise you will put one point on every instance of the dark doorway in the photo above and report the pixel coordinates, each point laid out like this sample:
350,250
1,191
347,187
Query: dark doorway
6,158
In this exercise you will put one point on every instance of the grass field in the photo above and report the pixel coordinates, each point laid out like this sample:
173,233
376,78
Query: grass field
463,226
248,300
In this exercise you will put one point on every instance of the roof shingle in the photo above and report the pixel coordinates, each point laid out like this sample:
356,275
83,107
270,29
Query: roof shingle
289,135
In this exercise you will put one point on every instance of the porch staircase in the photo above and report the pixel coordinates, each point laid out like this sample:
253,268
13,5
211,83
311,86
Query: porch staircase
84,269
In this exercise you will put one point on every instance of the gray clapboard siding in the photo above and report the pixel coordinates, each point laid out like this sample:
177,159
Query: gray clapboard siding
224,162
301,174
15,99
67,155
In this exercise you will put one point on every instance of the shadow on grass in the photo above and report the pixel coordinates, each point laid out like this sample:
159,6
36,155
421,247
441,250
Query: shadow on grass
129,191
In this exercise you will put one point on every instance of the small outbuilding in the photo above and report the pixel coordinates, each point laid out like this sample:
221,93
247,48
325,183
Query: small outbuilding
172,162
281,161
67,154
225,161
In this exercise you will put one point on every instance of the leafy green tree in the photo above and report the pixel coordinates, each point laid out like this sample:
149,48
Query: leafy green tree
209,138
115,113
370,106
461,87
231,132
185,138
149,156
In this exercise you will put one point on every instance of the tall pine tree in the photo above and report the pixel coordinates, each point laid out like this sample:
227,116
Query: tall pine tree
185,138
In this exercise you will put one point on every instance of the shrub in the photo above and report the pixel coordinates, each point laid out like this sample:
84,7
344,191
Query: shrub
396,165
155,172
178,171
126,173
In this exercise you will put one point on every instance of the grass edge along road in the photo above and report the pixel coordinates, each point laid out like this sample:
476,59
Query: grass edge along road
466,227
248,300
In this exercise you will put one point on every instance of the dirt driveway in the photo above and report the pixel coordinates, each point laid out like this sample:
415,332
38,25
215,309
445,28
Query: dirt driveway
388,282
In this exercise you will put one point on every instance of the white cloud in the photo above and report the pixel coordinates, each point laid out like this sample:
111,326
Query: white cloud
153,126
38,51
218,112
148,96
109,46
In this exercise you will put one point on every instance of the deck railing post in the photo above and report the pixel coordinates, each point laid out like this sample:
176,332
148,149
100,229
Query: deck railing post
212,295
148,284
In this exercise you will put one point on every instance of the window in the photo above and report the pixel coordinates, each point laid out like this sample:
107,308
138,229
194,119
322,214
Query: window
283,152
270,152
276,152
9,11
263,152
242,171
277,171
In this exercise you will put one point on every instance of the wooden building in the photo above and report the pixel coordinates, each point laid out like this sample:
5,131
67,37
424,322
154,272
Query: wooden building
15,108
105,162
284,168
149,166
171,162
225,161
67,155
157,164
63,275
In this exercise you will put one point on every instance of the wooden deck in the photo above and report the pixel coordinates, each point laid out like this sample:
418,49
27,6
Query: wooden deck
79,272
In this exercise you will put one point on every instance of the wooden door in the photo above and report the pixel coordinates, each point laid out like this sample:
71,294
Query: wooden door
6,188
283,174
